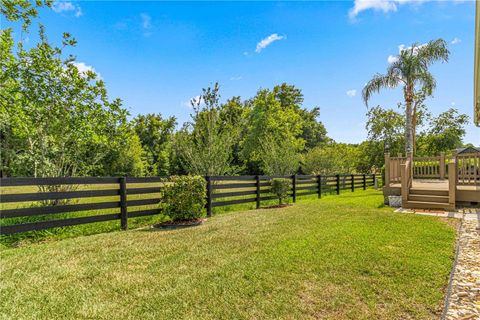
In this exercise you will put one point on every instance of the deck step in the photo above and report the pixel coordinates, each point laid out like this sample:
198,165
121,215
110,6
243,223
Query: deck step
428,198
426,205
430,192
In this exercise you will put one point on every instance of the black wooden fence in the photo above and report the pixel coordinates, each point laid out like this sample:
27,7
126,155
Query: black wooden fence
125,191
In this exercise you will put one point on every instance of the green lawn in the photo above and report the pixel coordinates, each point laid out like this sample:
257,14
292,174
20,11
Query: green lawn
341,257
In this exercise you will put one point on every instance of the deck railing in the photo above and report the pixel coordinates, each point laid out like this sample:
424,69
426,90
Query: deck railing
393,168
468,168
429,167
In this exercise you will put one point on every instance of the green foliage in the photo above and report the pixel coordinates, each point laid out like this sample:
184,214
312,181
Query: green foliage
155,134
331,159
205,146
280,188
278,157
445,133
56,120
275,115
313,132
22,10
386,126
184,197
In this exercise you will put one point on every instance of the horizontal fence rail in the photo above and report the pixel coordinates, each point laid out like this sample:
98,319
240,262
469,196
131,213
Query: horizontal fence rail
132,197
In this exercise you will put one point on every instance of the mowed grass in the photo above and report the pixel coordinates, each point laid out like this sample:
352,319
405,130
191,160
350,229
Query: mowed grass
341,257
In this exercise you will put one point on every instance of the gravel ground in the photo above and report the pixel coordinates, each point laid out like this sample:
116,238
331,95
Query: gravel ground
464,300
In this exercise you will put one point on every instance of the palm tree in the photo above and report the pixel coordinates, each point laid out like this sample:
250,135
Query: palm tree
410,70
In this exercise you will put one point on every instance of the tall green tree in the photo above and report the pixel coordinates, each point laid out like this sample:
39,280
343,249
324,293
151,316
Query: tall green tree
313,132
386,126
410,70
204,146
276,114
445,133
155,134
56,120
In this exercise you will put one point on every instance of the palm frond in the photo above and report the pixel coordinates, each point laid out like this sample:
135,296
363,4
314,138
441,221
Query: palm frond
427,82
434,50
378,82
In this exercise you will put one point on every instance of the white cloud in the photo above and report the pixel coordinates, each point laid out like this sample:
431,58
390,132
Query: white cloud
268,41
236,78
83,68
379,5
67,6
391,59
456,41
352,93
146,21
195,100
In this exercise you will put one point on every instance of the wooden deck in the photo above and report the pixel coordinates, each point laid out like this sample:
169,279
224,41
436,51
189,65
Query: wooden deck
465,194
434,184
438,182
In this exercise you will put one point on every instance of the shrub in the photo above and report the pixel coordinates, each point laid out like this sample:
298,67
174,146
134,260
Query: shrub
184,197
280,188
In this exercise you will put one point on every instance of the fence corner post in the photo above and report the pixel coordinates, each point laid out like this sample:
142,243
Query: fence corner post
257,194
123,204
319,178
338,183
209,196
386,180
364,182
294,188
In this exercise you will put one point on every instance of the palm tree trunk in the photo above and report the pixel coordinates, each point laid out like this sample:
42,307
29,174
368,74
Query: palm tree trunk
414,129
408,119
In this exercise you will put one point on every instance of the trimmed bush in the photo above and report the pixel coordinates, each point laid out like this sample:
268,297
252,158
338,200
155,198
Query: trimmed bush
280,188
184,197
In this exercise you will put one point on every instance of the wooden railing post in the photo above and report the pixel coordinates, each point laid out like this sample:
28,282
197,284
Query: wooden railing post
257,184
364,182
404,178
353,182
294,188
123,204
319,178
452,182
442,165
338,184
209,196
387,169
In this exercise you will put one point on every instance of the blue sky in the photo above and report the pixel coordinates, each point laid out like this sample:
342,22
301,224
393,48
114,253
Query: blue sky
156,56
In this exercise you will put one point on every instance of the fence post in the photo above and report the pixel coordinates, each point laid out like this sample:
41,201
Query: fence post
209,196
294,188
123,204
319,178
442,165
375,181
338,184
257,184
353,182
387,170
364,182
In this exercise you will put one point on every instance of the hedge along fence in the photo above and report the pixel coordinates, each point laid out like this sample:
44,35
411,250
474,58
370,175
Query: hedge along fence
134,196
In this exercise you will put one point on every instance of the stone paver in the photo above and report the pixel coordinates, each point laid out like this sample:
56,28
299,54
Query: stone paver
464,300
